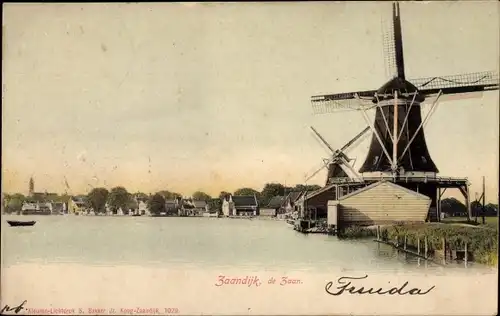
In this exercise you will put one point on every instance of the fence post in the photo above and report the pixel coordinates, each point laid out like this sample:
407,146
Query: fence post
418,245
443,245
404,245
465,255
378,233
425,245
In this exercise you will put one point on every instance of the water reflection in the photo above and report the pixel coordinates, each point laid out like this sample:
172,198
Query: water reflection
195,242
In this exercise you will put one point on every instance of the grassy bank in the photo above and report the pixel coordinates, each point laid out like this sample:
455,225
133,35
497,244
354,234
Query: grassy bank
481,240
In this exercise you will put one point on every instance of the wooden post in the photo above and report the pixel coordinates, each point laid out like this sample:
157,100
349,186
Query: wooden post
443,244
425,247
467,202
404,245
438,204
378,233
395,133
418,246
483,209
465,255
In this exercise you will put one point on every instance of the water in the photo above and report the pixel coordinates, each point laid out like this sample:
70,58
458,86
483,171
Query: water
81,262
194,243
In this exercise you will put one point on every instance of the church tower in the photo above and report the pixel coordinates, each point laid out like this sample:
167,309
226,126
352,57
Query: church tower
32,187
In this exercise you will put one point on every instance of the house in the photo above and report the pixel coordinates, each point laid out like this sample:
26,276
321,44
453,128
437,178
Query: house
240,205
200,207
57,207
290,202
173,207
132,207
31,207
380,203
77,205
275,205
115,211
142,207
43,196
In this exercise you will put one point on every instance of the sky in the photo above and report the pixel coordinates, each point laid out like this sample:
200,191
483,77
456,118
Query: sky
213,97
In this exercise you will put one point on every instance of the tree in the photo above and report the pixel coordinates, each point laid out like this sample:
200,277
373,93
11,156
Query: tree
156,204
141,196
119,198
270,190
452,206
224,195
64,198
491,209
301,187
201,196
167,195
215,205
246,191
97,199
14,202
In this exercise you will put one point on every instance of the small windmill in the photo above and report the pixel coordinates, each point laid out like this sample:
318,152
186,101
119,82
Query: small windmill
339,164
398,144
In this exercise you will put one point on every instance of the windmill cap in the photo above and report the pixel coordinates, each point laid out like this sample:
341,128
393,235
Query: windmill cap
400,85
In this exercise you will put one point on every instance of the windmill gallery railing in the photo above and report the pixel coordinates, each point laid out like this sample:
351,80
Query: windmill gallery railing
410,178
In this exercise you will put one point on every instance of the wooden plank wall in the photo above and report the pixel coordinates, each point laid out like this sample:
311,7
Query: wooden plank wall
384,203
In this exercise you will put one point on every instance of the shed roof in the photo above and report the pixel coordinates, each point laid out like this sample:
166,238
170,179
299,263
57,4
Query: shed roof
309,194
276,202
376,184
244,200
294,196
199,204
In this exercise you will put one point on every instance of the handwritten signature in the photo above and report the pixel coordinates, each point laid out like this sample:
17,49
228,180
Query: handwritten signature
15,309
345,286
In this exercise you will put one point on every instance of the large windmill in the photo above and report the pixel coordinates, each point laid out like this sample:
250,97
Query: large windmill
398,148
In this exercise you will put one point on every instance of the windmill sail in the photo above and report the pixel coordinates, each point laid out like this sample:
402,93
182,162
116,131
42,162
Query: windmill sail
471,82
398,41
339,102
398,140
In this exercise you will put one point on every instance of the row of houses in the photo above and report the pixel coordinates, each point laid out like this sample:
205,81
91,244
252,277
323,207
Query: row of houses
78,205
288,206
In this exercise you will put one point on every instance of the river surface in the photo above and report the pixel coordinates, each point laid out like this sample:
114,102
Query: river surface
115,264
192,242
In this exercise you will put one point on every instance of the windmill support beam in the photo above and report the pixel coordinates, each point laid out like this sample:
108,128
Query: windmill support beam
442,192
383,117
395,137
407,115
465,192
422,125
367,119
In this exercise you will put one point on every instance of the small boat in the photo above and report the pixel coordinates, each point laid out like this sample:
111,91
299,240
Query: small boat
137,214
21,223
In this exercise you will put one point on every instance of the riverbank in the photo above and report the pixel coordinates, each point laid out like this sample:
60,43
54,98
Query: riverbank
480,241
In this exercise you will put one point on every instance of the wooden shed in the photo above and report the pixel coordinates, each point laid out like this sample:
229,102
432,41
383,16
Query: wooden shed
382,203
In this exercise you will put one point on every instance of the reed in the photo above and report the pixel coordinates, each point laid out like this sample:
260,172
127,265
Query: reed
481,241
